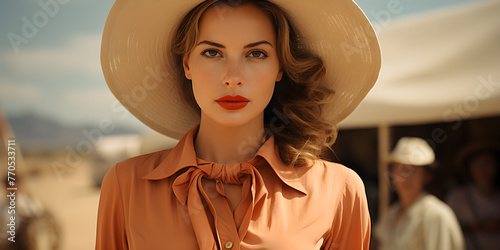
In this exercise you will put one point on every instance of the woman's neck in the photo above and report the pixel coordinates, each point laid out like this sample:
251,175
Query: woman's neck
228,144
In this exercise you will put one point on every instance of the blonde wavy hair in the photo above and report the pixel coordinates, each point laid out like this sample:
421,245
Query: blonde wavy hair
294,115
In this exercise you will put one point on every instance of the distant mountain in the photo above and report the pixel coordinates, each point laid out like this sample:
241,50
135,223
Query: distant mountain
36,134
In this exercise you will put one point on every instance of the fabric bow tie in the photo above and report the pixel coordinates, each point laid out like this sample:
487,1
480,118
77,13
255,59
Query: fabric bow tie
188,188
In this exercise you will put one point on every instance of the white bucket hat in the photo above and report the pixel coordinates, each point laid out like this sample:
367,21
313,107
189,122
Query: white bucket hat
413,151
135,57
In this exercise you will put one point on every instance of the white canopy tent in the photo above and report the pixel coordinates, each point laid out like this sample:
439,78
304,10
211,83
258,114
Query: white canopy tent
434,62
439,66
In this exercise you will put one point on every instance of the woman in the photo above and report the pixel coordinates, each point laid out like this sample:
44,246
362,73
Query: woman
419,220
266,95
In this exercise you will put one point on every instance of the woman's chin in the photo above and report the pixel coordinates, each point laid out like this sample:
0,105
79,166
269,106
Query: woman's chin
237,118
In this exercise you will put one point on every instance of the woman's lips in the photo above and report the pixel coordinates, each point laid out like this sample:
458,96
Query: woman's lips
232,102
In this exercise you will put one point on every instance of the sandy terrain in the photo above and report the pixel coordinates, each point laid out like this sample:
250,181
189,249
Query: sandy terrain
72,199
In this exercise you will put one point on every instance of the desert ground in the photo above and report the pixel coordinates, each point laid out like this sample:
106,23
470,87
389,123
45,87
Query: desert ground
69,196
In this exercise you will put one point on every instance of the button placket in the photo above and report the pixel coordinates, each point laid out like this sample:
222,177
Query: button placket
225,226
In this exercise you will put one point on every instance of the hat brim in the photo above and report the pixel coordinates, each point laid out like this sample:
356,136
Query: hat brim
135,57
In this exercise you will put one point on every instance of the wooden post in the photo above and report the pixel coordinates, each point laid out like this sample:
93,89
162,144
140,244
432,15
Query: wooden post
384,138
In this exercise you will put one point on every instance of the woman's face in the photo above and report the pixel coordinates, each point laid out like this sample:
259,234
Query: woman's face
234,64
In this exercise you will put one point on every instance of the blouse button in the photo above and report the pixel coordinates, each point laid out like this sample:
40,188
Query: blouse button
228,245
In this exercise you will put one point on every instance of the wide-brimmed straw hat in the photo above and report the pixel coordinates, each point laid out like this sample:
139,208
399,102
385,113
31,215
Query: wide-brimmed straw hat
137,66
413,151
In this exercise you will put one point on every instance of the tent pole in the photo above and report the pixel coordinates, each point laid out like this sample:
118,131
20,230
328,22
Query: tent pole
383,171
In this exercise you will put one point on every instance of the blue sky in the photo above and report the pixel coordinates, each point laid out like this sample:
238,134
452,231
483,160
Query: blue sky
53,70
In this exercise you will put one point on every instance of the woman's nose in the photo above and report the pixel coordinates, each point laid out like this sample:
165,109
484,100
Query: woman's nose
233,77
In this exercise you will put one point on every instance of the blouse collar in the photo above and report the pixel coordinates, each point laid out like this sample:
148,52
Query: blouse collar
183,156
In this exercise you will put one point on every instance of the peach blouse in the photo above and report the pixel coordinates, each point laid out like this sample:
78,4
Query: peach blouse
158,201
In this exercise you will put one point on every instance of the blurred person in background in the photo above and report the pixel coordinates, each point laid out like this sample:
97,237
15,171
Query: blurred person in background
418,220
477,204
33,227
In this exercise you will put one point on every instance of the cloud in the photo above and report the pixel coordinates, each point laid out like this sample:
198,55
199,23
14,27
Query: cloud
96,100
18,97
18,91
79,54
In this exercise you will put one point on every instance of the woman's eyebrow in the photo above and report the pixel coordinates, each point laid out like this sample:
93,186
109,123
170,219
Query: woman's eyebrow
212,43
250,45
257,43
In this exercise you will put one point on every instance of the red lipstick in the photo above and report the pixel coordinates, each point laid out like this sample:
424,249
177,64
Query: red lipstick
232,102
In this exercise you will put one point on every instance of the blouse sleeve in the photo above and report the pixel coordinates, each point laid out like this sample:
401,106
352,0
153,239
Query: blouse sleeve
110,217
351,225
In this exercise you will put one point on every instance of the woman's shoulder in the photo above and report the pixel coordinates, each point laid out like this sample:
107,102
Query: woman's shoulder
138,166
337,176
335,170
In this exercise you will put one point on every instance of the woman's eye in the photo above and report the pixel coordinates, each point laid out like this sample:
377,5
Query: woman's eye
211,53
258,54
